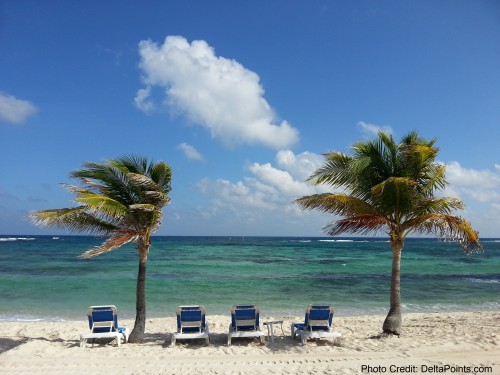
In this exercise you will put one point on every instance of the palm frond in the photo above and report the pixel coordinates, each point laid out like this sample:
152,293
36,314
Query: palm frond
447,227
142,207
110,244
96,187
393,186
362,224
113,178
74,219
334,171
161,173
438,205
337,204
102,204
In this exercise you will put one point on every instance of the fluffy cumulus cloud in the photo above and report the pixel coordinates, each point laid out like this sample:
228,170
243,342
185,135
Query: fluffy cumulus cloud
190,152
212,91
266,195
13,110
300,166
477,185
268,187
480,191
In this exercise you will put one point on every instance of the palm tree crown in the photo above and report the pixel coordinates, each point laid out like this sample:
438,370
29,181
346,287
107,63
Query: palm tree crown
389,186
121,197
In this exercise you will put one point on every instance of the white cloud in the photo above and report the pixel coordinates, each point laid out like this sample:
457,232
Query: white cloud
300,166
228,194
212,91
281,180
15,110
190,152
266,195
480,180
372,130
268,188
142,101
480,191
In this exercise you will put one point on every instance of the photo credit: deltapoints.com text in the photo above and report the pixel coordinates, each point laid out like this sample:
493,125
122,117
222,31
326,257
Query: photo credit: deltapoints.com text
426,369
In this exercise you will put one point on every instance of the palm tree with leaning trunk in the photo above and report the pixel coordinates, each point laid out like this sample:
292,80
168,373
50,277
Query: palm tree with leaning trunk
123,199
390,186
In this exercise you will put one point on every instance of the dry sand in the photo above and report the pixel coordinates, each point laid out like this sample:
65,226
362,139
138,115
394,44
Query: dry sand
452,342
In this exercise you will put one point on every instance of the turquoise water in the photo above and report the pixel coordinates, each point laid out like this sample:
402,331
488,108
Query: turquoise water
41,277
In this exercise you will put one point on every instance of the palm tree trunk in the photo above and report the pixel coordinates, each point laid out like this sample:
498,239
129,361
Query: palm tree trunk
137,334
393,321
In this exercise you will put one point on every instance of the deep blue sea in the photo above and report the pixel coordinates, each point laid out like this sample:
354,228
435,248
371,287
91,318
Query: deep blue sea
42,278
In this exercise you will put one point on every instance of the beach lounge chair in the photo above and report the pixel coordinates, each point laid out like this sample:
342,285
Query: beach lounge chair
103,322
191,324
245,323
317,324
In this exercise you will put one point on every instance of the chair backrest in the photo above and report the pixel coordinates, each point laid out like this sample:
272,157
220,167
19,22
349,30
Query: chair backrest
319,317
245,317
102,318
191,319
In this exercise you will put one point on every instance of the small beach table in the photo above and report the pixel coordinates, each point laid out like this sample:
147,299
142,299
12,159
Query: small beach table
270,330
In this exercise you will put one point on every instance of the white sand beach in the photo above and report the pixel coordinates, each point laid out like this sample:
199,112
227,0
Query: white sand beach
462,342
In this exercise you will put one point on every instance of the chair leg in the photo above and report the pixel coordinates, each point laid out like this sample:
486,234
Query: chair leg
262,340
207,341
172,343
303,339
228,340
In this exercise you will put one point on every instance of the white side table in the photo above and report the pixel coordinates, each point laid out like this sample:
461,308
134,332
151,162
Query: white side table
270,330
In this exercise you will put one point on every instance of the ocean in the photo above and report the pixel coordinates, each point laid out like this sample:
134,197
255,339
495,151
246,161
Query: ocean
42,278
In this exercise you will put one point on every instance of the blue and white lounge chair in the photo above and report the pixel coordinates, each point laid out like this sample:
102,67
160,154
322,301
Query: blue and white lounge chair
103,323
245,323
191,324
317,324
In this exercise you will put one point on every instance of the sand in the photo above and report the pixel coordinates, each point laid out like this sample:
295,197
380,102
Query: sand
462,342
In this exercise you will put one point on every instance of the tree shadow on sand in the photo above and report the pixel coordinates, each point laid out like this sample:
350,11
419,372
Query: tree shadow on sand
7,343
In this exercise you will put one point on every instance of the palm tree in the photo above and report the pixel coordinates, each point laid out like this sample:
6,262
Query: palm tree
388,186
120,198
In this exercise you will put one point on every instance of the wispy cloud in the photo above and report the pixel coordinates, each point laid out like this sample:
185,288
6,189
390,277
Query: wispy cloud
190,152
13,110
371,130
217,93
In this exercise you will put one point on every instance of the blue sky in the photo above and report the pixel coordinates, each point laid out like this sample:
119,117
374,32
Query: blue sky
241,98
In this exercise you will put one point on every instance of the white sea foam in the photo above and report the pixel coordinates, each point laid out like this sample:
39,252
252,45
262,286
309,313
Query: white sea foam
16,239
482,281
410,307
29,318
340,241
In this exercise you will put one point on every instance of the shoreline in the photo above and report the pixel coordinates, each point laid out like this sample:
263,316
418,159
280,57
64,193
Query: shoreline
460,339
265,314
